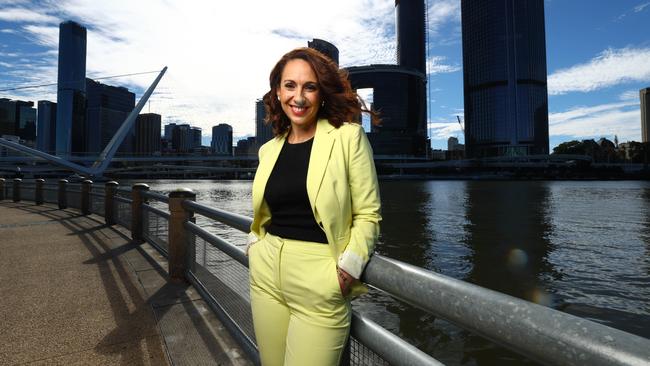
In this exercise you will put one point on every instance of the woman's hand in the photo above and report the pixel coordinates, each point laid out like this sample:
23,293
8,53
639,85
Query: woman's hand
345,281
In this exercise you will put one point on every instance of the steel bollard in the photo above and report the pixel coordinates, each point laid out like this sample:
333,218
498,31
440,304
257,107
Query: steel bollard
38,193
16,190
86,187
136,211
179,239
62,194
109,202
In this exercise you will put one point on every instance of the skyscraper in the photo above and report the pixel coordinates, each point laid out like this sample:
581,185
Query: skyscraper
108,107
46,126
196,137
7,117
325,48
147,134
26,121
71,90
222,139
182,138
644,94
504,77
263,132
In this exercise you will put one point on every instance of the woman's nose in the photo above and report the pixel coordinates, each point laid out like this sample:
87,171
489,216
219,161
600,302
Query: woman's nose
299,100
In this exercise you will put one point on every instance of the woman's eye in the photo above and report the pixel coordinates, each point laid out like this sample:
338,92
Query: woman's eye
311,87
289,85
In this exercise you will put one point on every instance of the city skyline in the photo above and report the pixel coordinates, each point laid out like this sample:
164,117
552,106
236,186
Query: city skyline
596,64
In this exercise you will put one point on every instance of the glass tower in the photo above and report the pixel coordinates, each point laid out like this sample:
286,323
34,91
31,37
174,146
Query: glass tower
71,90
504,77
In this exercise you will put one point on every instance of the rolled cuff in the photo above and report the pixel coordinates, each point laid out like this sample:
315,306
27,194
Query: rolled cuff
250,240
352,263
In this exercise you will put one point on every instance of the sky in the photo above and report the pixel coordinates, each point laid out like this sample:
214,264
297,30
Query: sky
220,53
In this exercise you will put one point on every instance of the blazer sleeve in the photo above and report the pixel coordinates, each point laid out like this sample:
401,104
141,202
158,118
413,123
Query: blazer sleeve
365,205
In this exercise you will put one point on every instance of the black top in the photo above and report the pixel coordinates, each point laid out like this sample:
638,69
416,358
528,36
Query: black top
286,195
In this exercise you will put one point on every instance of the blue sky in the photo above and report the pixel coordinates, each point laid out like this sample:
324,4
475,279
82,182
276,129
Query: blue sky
219,56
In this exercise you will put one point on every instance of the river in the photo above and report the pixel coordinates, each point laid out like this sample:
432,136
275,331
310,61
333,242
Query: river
579,246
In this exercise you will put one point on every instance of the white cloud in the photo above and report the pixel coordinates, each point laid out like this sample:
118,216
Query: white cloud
440,14
219,53
436,65
25,15
622,119
611,67
629,95
640,7
442,128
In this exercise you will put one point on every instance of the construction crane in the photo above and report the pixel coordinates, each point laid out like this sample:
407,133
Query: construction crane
461,124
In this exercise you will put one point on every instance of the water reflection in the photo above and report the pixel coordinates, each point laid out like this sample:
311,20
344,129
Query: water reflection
508,229
404,222
645,235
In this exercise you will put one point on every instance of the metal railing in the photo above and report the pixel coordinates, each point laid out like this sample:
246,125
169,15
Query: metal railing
219,271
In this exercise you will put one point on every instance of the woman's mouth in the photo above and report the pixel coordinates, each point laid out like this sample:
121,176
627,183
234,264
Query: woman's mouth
298,111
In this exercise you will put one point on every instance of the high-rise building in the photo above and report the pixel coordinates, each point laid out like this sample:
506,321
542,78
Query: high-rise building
26,121
147,134
169,129
71,89
7,117
504,77
108,107
46,126
196,137
182,138
263,131
644,94
399,91
246,147
18,118
222,139
325,48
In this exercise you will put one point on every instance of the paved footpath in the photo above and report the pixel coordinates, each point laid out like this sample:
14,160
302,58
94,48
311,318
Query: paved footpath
74,291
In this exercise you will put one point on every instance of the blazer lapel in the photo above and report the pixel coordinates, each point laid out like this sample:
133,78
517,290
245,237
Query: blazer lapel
264,170
320,155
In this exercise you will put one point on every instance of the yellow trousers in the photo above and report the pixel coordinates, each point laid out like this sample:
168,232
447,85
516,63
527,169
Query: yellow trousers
299,314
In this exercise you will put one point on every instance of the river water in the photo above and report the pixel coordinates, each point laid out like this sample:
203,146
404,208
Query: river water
579,246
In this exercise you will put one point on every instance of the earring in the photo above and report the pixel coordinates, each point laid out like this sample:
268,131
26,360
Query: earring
322,104
278,98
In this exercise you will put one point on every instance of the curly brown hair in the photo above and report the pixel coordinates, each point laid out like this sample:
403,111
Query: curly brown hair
342,104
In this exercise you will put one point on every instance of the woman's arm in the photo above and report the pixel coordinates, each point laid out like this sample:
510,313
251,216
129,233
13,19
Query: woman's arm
365,204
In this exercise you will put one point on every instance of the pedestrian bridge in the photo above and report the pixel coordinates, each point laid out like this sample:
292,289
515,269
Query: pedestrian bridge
104,274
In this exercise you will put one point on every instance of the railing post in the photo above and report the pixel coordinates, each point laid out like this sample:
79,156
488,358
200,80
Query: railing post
16,190
136,211
38,192
86,187
109,202
2,189
179,239
62,194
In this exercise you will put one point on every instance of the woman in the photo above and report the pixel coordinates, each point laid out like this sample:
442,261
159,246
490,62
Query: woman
316,213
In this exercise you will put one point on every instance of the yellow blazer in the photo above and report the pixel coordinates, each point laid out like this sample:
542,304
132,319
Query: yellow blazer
343,193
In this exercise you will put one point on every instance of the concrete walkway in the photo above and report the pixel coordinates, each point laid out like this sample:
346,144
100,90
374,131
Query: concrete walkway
74,291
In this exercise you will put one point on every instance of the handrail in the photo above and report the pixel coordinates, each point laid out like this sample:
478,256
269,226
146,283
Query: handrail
239,222
537,332
234,252
122,199
156,196
157,211
534,331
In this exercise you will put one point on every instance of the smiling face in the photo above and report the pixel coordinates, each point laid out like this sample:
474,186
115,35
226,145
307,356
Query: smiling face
299,94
